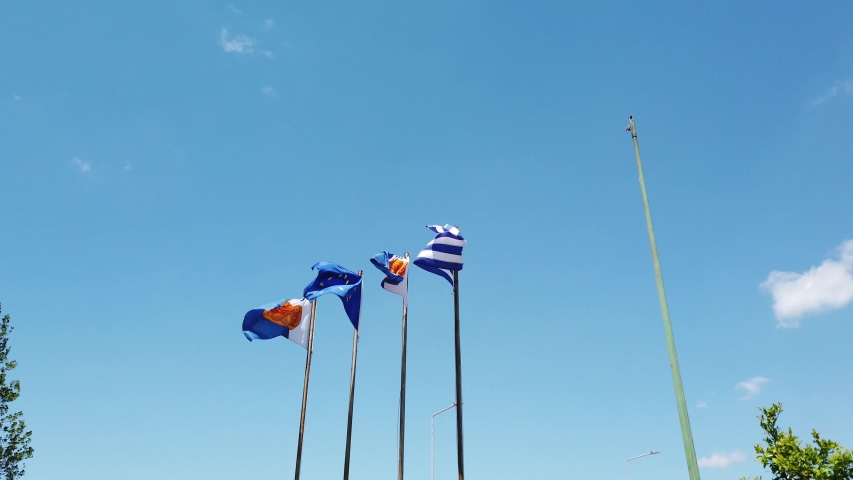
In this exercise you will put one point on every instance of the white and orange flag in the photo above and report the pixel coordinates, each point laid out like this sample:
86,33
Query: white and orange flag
290,319
396,270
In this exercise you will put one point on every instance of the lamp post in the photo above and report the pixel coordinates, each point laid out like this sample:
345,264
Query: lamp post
627,469
432,440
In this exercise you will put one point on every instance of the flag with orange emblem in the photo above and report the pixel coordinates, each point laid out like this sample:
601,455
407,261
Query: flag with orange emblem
396,270
290,319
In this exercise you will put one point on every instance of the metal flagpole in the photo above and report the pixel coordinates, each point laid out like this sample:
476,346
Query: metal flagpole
351,394
460,457
687,436
401,450
305,388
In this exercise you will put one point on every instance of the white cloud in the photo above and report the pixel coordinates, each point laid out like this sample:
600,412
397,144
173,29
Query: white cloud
702,404
269,91
267,53
826,287
127,166
269,23
234,9
752,386
83,165
239,44
17,98
845,88
722,459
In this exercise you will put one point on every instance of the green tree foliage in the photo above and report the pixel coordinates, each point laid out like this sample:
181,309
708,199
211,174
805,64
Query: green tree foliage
15,443
788,459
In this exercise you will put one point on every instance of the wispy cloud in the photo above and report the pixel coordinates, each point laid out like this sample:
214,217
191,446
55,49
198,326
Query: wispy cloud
826,287
236,43
752,386
722,459
269,23
269,91
83,165
841,88
234,9
702,404
127,167
17,98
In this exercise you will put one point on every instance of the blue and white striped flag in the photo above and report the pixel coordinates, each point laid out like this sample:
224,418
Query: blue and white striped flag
443,255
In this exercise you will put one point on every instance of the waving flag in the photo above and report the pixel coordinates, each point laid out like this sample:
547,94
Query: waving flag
443,255
290,319
335,279
396,270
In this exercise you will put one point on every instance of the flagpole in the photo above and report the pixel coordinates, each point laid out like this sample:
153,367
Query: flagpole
687,436
400,447
351,395
305,388
460,457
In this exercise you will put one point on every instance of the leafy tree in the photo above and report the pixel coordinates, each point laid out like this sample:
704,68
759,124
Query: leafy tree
787,459
15,442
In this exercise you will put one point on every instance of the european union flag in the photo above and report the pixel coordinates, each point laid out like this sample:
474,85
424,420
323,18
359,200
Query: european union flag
333,278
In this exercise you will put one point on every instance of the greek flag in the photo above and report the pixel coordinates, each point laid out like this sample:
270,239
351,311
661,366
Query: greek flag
443,255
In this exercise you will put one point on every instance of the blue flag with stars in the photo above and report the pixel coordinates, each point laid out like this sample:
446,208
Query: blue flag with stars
335,279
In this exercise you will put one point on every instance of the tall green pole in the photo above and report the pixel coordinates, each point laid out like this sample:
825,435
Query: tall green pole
687,436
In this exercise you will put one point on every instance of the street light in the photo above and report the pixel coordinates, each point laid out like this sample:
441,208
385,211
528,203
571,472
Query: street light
627,469
432,440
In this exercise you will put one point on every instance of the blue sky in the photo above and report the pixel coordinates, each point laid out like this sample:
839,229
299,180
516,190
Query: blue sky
168,166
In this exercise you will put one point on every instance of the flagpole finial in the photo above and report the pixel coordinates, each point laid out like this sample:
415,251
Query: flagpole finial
630,127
